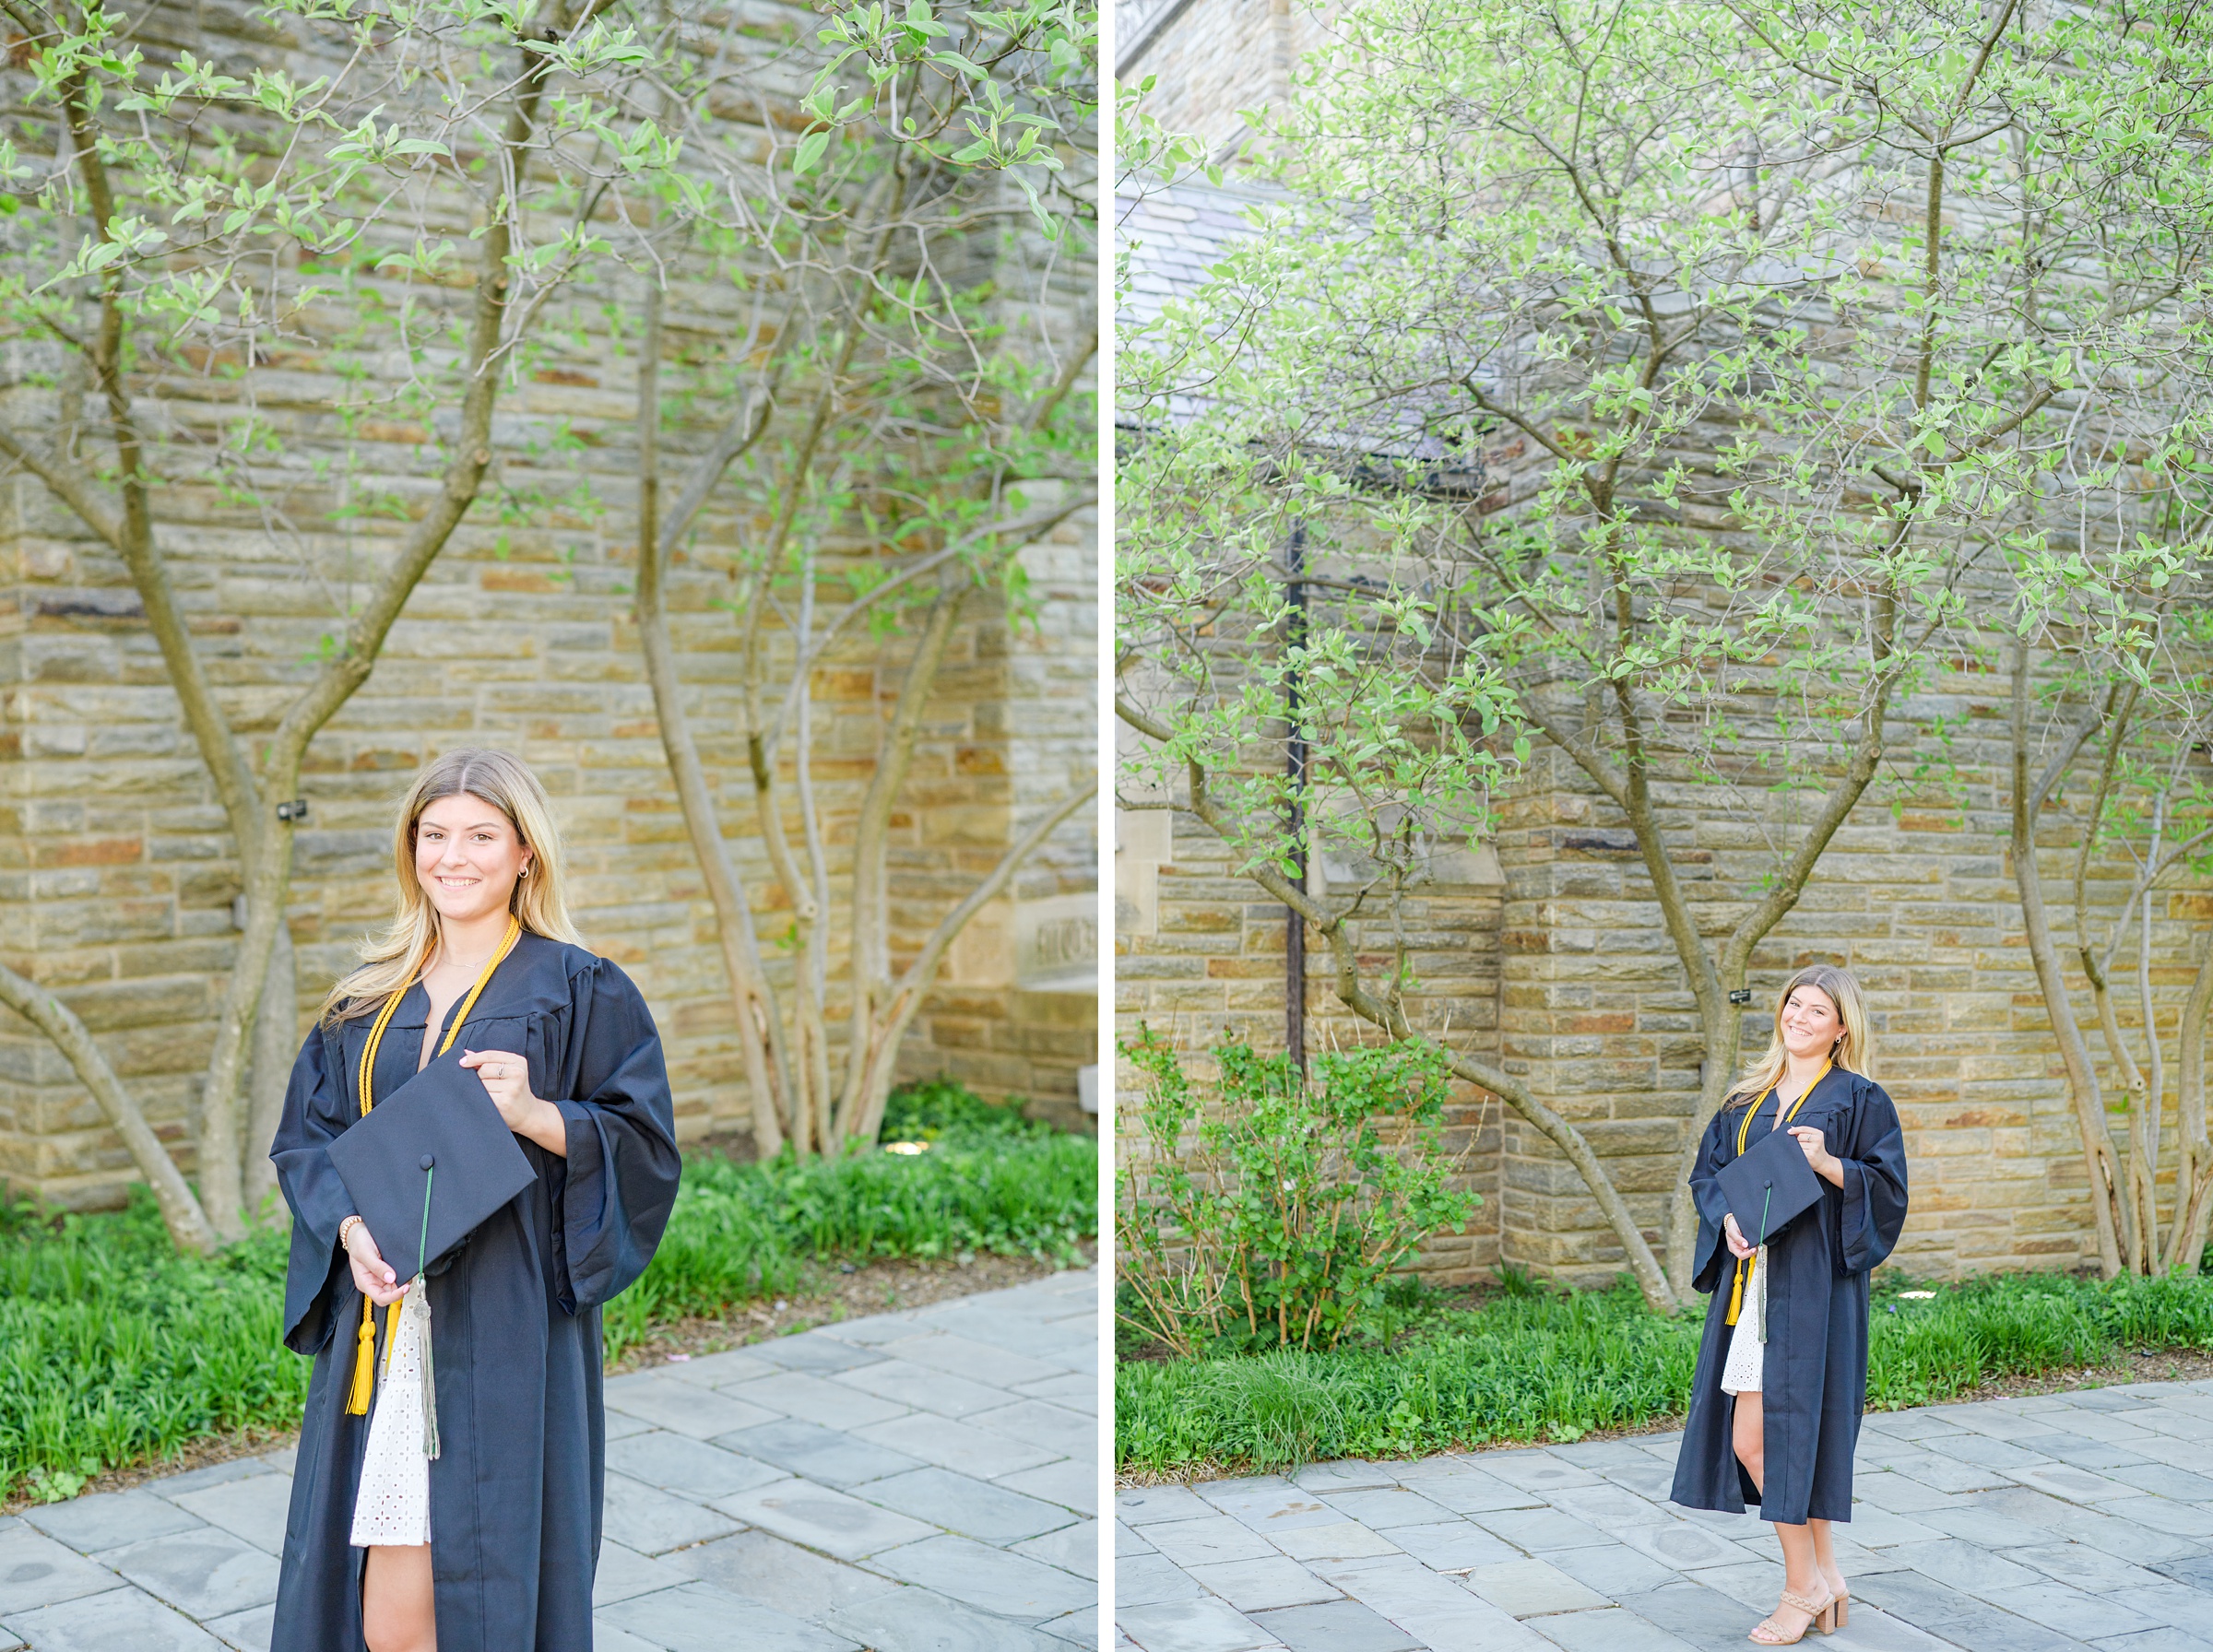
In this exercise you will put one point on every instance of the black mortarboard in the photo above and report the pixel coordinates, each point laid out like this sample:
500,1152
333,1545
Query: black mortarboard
1768,1186
438,1133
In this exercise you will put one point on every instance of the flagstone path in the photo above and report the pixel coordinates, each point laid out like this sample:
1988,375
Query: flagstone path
921,1481
2040,1525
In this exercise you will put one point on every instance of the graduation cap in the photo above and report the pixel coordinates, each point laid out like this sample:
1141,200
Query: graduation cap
1768,1186
438,1133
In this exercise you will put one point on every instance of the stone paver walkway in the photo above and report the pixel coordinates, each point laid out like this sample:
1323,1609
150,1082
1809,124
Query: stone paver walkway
922,1482
2040,1525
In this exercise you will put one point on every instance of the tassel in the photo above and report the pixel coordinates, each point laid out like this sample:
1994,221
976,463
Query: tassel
420,1305
391,1330
1737,1295
364,1362
430,1375
1759,1280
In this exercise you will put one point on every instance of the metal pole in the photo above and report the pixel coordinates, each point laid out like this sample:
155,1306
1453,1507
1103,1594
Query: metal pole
1295,769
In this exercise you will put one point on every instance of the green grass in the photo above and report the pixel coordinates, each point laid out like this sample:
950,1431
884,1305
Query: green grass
114,1348
1548,1365
988,1182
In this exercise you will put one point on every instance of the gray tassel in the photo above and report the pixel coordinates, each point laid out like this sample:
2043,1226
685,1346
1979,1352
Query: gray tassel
420,1302
421,1297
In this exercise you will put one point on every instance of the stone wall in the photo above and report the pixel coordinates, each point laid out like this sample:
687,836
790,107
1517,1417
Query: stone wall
117,876
1918,901
1566,975
1211,59
116,879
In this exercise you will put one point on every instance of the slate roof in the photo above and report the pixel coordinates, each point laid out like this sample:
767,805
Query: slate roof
1171,235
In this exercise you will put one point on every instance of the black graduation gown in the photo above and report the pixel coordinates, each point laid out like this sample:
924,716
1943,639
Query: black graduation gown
514,1313
1813,1378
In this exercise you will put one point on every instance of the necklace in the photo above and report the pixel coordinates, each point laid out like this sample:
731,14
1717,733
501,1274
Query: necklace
474,964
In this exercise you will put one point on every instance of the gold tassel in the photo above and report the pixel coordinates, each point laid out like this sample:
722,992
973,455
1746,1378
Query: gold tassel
1736,1291
364,1362
391,1332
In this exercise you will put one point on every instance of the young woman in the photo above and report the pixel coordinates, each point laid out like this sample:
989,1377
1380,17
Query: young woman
1783,1372
490,1546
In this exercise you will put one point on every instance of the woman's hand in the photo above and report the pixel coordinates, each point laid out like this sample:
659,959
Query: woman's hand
506,1079
372,1275
1734,1235
1825,1164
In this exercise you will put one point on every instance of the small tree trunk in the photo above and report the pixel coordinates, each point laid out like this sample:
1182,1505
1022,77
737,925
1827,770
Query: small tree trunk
877,1034
2194,1174
276,1034
222,1168
2107,1196
758,1016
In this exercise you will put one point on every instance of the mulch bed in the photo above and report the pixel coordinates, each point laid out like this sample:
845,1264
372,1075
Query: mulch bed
870,1288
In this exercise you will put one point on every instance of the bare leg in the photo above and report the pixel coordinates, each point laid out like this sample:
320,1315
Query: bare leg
398,1610
1803,1574
1749,1437
1825,1556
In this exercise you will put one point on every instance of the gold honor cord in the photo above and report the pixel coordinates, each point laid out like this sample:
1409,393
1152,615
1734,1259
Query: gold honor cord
1744,1133
365,1351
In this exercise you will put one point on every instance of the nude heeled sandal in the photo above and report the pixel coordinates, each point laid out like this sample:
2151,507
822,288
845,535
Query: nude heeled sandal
1819,1615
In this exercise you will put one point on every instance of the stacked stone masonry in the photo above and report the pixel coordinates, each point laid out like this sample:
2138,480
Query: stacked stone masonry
1564,975
117,875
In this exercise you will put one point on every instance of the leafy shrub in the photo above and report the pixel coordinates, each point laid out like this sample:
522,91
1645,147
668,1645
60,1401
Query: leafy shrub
1274,1216
938,1107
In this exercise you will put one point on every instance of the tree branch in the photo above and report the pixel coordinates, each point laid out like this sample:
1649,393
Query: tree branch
181,1210
915,978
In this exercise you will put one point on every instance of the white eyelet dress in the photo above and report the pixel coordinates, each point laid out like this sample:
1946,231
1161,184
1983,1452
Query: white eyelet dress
394,1503
1741,1373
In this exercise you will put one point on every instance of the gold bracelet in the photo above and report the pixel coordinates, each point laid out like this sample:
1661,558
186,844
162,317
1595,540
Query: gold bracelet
349,1222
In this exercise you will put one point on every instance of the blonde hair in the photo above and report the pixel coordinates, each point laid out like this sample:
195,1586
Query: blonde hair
393,959
1854,1048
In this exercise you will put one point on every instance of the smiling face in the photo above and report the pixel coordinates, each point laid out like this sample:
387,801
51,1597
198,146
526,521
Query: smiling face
1811,1025
467,856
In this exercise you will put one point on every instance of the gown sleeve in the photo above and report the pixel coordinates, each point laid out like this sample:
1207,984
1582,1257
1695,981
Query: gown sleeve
316,1109
1873,1207
1705,1193
618,1183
